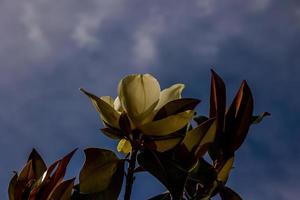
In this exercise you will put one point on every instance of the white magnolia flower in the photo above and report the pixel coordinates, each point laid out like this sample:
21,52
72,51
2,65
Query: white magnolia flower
140,97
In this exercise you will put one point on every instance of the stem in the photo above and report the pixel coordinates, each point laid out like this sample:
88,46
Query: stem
130,172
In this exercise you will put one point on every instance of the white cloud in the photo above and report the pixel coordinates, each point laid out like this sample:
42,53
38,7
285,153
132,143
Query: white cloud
34,31
146,36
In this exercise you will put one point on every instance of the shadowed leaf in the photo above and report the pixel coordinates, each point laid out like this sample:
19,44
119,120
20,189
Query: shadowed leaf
176,106
228,194
238,119
62,191
224,170
11,187
164,196
97,171
168,172
217,100
38,164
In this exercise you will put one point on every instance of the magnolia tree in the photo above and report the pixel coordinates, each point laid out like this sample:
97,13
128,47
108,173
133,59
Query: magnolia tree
158,132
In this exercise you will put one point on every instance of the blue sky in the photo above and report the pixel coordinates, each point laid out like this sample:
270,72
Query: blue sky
49,49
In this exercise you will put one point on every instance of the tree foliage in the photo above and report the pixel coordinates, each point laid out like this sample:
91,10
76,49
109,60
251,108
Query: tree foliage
158,132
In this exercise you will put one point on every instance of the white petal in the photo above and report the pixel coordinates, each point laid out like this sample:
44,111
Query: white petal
167,125
117,105
139,95
170,94
108,100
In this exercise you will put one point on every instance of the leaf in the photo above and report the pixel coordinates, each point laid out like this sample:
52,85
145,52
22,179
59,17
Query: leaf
176,106
258,118
167,125
62,191
200,119
166,144
238,119
11,187
201,179
217,100
97,171
195,136
112,133
228,194
167,171
58,174
38,164
164,196
111,193
224,171
107,113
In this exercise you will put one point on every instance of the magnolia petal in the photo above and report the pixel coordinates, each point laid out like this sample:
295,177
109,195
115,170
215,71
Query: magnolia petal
117,105
124,146
107,113
108,100
170,94
167,125
138,93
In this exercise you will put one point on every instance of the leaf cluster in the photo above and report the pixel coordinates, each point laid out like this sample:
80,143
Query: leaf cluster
176,159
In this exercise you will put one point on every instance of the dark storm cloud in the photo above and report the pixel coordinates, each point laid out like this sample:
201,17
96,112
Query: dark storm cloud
49,49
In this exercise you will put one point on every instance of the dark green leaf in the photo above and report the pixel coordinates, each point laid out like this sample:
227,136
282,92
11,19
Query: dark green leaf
11,187
200,119
201,178
167,171
176,106
164,196
228,194
97,171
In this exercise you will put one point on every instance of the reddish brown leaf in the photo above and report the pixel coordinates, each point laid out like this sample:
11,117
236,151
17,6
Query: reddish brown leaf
38,164
238,118
217,100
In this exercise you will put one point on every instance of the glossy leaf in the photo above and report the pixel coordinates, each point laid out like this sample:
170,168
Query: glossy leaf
203,133
97,171
168,172
224,171
38,164
167,125
166,144
238,119
107,113
217,100
112,133
228,194
176,106
62,191
201,179
110,193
